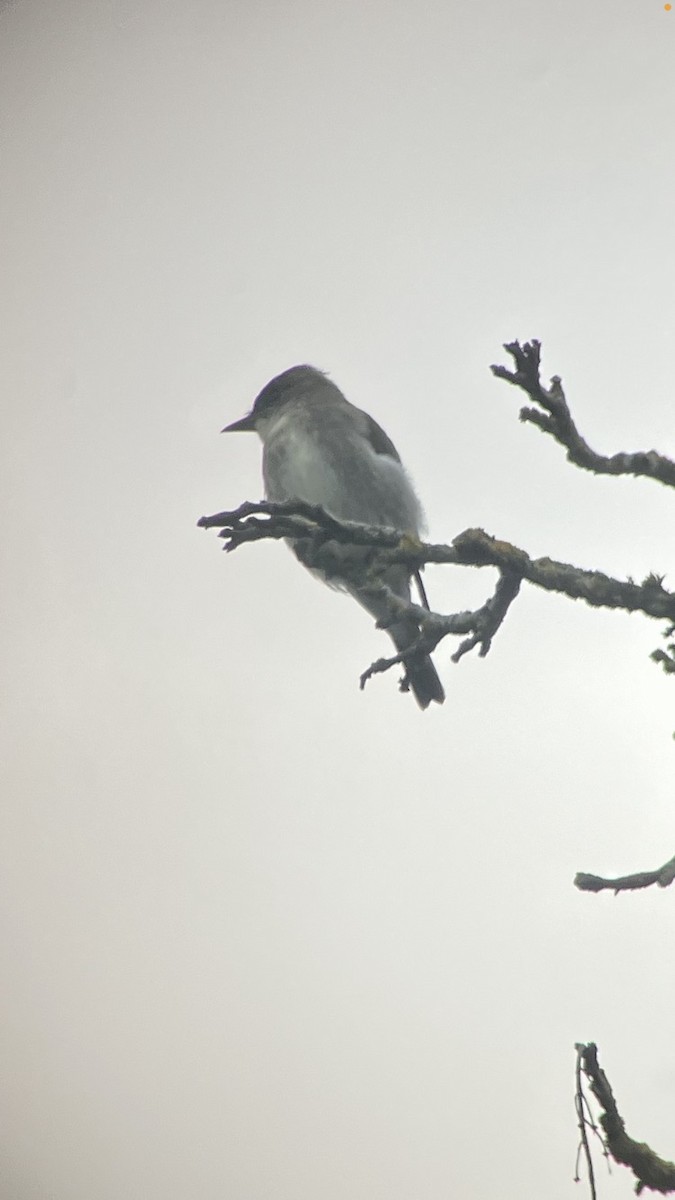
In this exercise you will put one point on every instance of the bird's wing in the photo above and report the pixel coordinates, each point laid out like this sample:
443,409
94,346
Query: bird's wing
380,442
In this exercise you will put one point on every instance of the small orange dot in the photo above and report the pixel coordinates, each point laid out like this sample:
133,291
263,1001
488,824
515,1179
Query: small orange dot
667,7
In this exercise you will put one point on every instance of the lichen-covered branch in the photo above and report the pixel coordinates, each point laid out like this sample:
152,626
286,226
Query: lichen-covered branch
323,543
651,1172
662,876
476,548
552,415
324,538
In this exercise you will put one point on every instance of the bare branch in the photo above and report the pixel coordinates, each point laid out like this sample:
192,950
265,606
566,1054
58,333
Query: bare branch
319,534
651,1172
552,415
362,554
662,876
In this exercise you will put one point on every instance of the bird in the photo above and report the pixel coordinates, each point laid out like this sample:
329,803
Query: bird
319,448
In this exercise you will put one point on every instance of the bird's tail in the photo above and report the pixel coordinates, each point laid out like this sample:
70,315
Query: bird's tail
420,673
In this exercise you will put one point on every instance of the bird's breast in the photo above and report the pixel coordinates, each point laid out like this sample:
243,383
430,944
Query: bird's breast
344,475
294,468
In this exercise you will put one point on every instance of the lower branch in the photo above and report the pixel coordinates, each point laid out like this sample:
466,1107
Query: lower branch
651,1172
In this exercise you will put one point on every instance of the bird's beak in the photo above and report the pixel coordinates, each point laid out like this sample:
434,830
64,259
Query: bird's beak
243,425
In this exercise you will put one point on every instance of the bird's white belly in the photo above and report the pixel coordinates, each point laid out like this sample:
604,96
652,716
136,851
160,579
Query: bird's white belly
294,469
362,486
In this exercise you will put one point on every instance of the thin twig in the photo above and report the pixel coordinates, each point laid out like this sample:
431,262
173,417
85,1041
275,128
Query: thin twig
579,1102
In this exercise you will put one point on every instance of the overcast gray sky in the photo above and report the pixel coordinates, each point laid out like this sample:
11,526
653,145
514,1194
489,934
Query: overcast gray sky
267,937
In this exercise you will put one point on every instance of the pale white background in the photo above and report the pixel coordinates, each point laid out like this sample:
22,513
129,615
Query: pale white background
266,937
